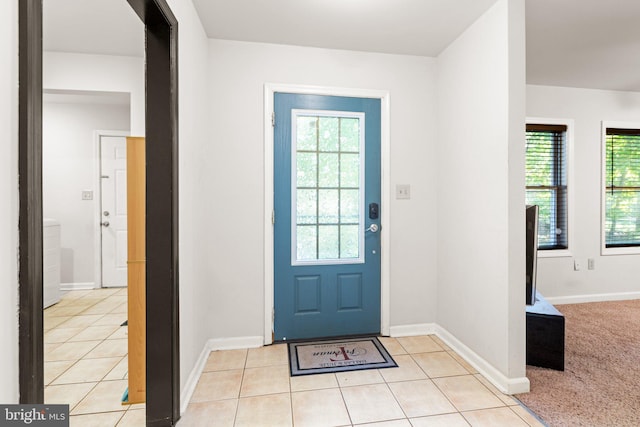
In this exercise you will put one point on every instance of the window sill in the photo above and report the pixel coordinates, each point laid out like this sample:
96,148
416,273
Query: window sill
554,253
629,250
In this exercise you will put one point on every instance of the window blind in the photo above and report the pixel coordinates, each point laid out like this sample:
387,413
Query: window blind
622,196
546,181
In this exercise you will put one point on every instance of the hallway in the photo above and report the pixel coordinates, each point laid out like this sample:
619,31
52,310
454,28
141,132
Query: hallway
432,386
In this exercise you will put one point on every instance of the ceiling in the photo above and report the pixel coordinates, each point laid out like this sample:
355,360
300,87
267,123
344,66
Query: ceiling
584,43
576,43
412,27
107,27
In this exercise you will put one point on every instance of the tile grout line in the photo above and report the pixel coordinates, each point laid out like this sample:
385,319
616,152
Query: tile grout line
109,310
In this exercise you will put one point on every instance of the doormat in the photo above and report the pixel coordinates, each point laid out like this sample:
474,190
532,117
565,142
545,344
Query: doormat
351,354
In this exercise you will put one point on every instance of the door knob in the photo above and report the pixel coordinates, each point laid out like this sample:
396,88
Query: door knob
105,224
105,213
373,228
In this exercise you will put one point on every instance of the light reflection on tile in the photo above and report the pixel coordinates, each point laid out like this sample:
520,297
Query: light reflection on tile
319,408
371,403
269,410
467,393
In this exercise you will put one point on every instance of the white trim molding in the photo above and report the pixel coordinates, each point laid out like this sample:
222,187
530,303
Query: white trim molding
498,379
385,150
578,299
78,286
212,345
495,377
413,330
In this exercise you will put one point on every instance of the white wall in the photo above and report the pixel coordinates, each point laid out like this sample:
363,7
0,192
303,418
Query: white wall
480,190
69,166
9,197
614,276
104,73
238,72
195,190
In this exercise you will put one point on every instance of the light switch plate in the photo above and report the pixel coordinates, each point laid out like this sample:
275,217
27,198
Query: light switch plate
403,191
87,194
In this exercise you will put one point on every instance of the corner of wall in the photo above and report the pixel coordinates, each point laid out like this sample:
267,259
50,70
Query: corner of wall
213,344
481,87
505,384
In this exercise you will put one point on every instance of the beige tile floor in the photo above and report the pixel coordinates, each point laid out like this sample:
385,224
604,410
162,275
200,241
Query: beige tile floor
85,358
432,386
86,367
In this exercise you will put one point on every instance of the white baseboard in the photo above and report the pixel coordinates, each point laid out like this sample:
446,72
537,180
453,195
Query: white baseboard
79,286
498,379
412,330
192,381
577,299
213,345
235,343
501,382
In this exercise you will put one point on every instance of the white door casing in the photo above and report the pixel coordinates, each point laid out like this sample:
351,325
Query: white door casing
113,210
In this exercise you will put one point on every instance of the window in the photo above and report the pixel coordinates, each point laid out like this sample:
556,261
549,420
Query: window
546,181
327,196
622,187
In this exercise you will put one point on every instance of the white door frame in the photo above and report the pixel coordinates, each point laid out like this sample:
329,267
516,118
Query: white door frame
385,150
97,202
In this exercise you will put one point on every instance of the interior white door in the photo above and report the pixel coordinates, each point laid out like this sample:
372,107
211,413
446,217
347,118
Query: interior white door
113,162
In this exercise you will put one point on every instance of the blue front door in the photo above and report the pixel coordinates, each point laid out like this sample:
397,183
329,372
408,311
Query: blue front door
327,216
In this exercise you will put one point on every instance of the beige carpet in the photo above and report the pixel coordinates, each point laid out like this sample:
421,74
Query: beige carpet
601,382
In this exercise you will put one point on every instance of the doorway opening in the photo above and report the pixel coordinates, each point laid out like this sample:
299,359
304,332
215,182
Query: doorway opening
163,408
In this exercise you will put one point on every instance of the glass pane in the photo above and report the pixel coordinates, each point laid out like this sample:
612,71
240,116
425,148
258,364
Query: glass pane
328,132
306,207
349,170
328,242
349,206
328,178
349,241
623,160
329,170
350,134
622,220
546,214
306,243
328,207
307,133
307,169
540,158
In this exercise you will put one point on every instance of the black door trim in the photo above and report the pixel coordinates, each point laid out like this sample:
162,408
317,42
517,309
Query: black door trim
163,365
31,335
163,340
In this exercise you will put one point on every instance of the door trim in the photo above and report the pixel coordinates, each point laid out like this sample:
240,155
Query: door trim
162,272
385,150
163,364
30,312
97,205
